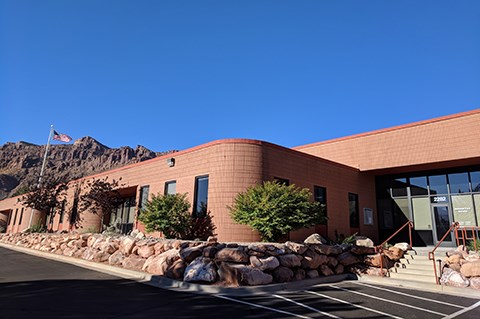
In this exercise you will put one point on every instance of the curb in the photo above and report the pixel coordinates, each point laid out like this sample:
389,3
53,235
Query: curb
171,284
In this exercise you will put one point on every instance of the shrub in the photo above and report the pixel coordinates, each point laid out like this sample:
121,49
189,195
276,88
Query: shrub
275,209
37,228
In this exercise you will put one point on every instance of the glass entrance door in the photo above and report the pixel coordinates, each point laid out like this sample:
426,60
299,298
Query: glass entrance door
442,223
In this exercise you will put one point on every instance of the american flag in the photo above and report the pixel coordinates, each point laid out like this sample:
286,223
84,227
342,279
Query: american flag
61,137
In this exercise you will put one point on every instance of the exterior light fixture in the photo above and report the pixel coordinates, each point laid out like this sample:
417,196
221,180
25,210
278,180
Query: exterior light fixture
170,162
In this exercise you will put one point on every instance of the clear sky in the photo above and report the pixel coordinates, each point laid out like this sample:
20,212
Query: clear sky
176,74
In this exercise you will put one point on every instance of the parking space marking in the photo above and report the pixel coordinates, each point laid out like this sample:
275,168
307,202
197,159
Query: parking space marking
307,307
408,295
262,307
390,301
458,313
353,305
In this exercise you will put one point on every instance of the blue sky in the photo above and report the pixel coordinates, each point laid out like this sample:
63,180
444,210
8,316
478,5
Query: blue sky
175,74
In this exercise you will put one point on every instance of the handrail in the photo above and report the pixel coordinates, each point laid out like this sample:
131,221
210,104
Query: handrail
431,254
410,224
379,248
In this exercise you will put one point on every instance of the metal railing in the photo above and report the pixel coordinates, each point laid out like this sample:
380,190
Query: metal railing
379,248
431,254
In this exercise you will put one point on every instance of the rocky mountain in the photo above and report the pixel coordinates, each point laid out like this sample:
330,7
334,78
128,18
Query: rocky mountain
20,162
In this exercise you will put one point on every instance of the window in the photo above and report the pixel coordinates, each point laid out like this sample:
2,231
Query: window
21,216
399,187
418,186
15,217
353,207
171,188
62,212
281,181
200,204
459,183
438,184
143,196
320,195
475,179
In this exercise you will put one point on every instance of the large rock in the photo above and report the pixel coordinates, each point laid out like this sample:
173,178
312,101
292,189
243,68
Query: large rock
454,279
116,258
236,255
201,270
332,262
475,283
235,274
176,270
454,259
282,274
315,239
364,241
325,270
264,263
126,245
471,269
327,249
312,273
393,253
348,259
145,251
69,251
190,253
299,274
89,253
312,260
296,248
158,265
339,269
403,246
258,249
361,250
376,261
133,262
101,256
290,260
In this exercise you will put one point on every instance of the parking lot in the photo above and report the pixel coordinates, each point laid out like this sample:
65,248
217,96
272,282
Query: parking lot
361,300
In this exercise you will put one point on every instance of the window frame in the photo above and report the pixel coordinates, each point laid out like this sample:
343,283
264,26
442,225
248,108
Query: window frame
356,211
167,183
195,213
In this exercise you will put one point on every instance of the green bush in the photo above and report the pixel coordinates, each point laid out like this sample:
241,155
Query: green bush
471,245
275,209
37,228
170,214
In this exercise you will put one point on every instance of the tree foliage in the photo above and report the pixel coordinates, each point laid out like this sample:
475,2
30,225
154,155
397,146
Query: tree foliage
275,209
170,214
46,197
101,196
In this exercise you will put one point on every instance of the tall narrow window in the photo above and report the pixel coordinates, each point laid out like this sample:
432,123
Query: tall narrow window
171,188
21,216
15,217
144,190
320,195
62,212
200,204
353,207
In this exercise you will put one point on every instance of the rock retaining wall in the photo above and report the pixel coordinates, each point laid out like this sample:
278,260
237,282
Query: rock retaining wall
211,262
461,269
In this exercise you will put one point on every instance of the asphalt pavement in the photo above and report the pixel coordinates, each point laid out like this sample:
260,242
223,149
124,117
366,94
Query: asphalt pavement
34,287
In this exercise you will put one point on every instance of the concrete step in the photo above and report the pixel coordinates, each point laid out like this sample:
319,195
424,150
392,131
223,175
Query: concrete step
414,266
422,261
410,271
414,277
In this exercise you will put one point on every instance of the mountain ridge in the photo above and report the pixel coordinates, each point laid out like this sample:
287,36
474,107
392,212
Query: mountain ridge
20,162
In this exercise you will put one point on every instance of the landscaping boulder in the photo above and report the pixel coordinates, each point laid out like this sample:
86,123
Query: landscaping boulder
176,270
133,262
348,259
299,274
296,248
403,246
393,253
126,245
364,241
454,279
190,253
361,250
325,270
116,258
282,274
290,260
327,249
475,283
312,273
264,263
471,269
236,255
312,260
158,265
201,270
315,239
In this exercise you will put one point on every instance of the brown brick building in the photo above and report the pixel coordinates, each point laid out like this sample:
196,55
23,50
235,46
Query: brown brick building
372,183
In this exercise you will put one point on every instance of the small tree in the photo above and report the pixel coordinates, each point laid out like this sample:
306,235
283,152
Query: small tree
275,209
101,197
168,214
46,197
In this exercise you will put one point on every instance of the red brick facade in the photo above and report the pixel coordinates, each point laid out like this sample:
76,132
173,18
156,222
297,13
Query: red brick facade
342,166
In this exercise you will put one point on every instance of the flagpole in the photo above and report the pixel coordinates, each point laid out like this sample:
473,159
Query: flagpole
42,169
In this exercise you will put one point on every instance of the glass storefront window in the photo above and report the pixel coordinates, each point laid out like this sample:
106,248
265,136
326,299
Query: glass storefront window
422,216
475,178
476,197
458,183
438,184
418,186
463,211
399,187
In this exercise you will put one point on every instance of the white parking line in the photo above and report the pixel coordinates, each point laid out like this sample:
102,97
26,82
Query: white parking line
458,313
308,307
263,307
390,301
353,305
408,295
